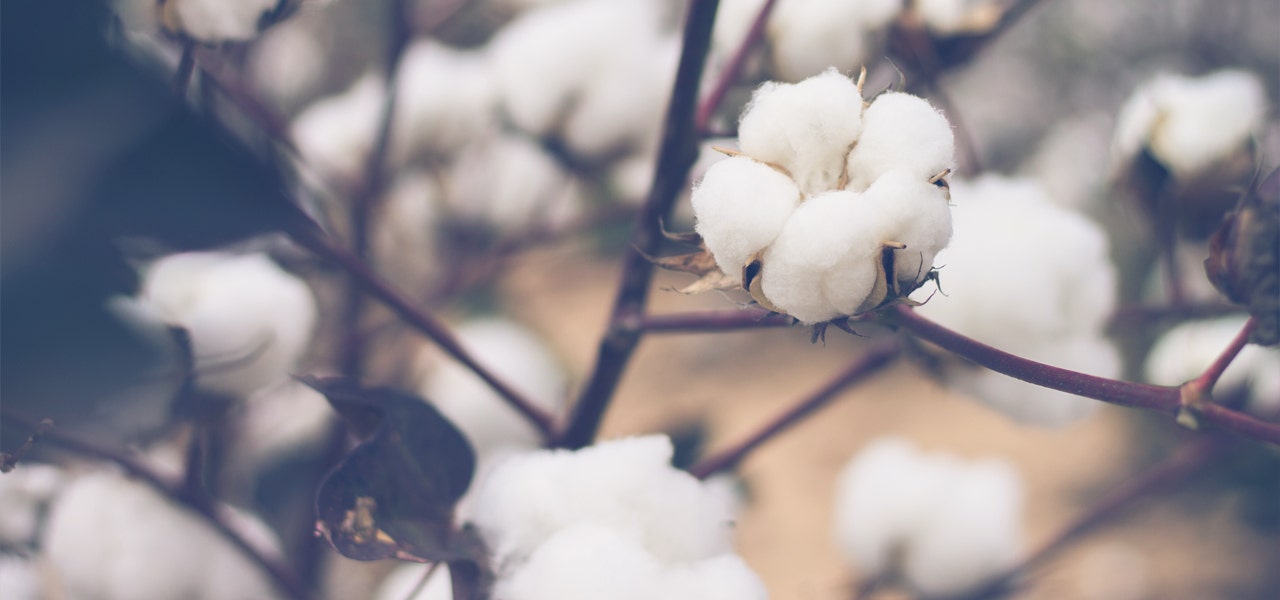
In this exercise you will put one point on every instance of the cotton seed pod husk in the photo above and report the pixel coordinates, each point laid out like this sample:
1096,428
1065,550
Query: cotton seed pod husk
1244,258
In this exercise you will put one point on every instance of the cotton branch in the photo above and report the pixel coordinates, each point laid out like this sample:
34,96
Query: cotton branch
732,70
876,359
280,574
1162,399
676,156
714,321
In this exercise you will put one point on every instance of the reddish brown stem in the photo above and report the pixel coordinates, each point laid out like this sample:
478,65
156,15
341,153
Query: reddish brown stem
1205,382
733,69
876,359
676,156
714,320
1162,399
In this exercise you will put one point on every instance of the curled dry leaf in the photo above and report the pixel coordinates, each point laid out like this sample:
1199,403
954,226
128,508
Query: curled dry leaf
1244,258
699,262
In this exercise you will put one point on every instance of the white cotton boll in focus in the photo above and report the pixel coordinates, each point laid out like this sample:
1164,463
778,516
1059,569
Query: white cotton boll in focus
335,134
24,492
221,20
404,235
112,538
941,523
446,97
741,206
405,578
971,533
915,213
1189,123
1184,352
806,128
626,485
512,353
508,183
821,265
900,131
250,321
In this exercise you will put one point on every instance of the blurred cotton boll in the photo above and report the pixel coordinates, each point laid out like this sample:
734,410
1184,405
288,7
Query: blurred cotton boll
1185,351
405,235
250,321
940,524
24,494
111,538
445,98
1030,278
405,578
217,20
508,184
512,353
335,134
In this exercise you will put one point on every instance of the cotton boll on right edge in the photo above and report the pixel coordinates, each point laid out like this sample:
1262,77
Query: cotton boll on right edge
1030,278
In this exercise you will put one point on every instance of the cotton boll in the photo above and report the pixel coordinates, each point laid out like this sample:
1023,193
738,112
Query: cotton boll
109,537
807,36
335,134
512,353
20,578
24,492
822,264
806,128
733,21
627,486
250,321
278,422
622,107
288,63
1190,123
1185,351
405,578
949,17
220,20
900,131
725,577
584,562
446,98
741,206
916,213
509,183
972,533
404,235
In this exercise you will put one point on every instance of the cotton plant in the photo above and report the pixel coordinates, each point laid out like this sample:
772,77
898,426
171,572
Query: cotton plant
834,205
595,74
1007,287
109,537
614,520
1184,352
250,322
937,523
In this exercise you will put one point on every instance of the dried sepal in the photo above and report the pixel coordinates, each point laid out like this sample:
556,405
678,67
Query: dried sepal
1244,258
752,282
699,262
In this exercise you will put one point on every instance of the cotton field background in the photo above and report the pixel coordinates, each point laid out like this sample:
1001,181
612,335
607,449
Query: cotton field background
640,299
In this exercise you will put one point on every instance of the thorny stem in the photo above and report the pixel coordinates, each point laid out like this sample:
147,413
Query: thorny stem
676,156
876,359
1184,462
1138,395
733,69
421,320
277,571
714,321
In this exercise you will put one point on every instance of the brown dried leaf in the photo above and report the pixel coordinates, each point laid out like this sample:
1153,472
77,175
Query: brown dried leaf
715,280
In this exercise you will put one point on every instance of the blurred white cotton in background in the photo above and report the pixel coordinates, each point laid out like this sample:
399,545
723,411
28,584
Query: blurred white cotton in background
20,578
942,524
405,578
507,184
1185,351
445,98
404,245
220,20
1005,285
24,494
335,134
1189,123
111,538
250,321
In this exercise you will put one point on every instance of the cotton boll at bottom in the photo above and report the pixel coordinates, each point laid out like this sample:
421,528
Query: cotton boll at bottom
741,206
512,353
806,128
405,578
112,538
1185,351
250,321
900,131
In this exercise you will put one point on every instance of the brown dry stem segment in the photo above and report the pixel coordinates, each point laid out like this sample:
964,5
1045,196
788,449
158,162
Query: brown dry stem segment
940,180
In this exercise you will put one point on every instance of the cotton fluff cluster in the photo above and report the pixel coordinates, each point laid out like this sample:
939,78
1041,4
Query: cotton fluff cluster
250,321
1185,351
941,524
823,183
615,520
24,493
806,36
596,73
405,578
111,538
507,182
959,16
1190,123
204,20
1030,278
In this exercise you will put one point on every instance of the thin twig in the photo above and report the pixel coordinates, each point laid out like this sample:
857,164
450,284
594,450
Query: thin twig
1209,378
678,152
9,460
733,69
421,320
186,66
1186,461
876,359
714,320
278,572
1162,399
